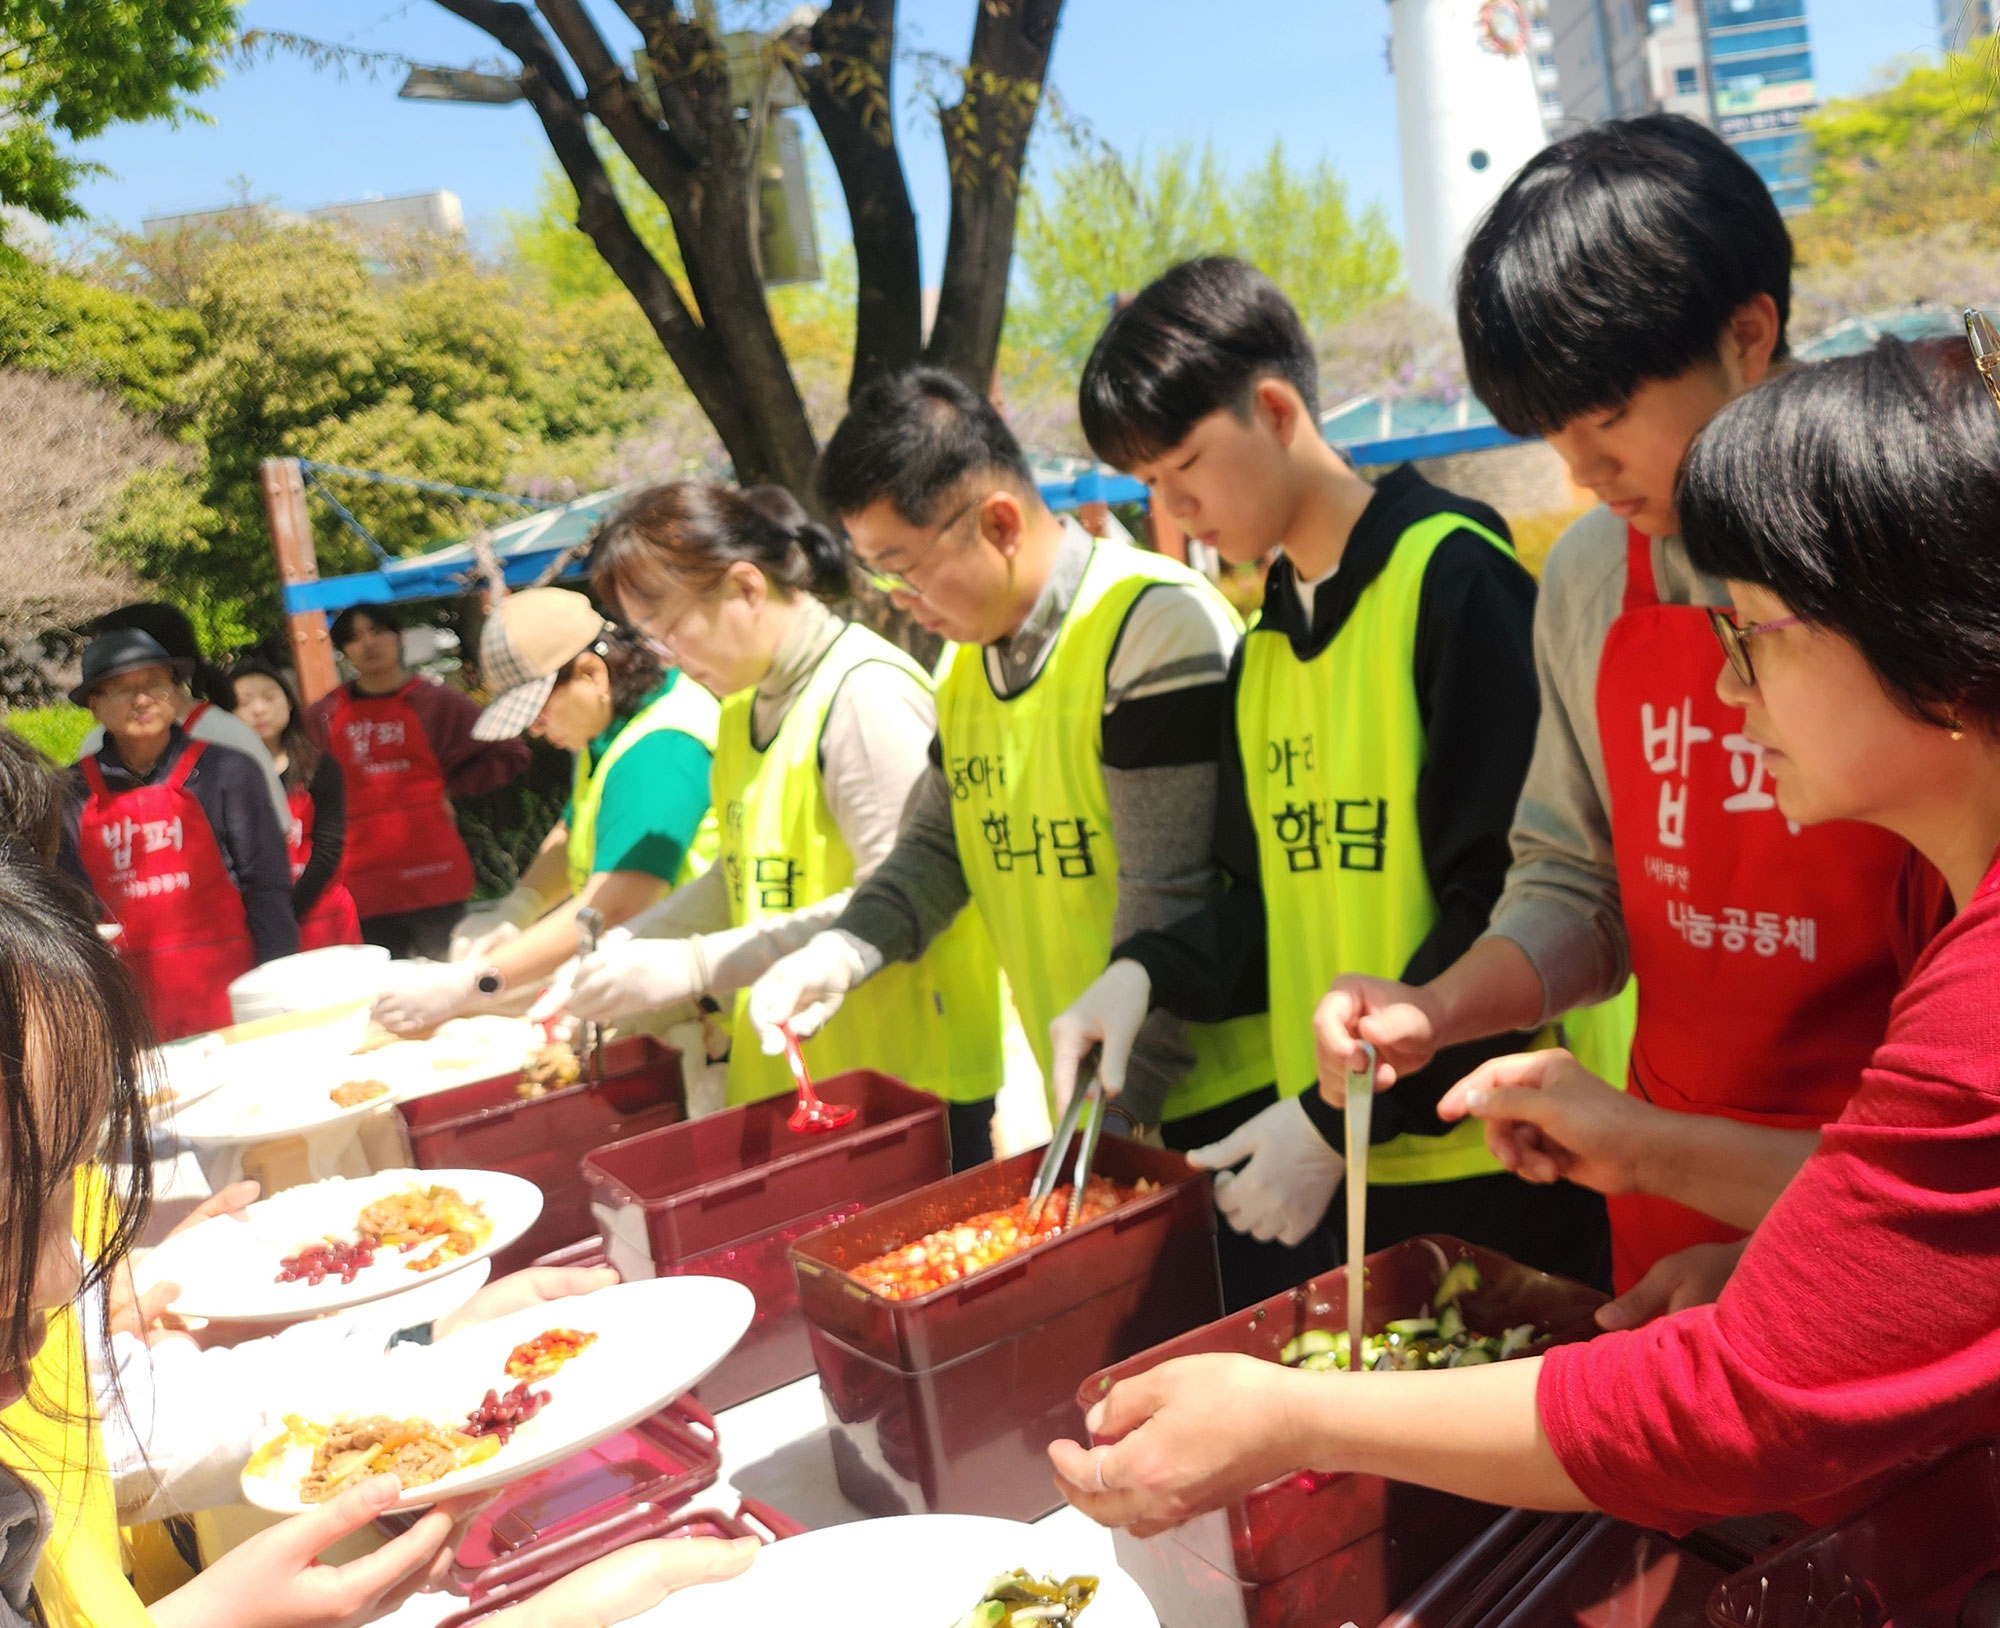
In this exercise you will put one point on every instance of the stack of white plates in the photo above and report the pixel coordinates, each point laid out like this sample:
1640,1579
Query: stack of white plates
305,982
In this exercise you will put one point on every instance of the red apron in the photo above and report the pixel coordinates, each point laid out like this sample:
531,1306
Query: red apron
333,918
403,848
1763,951
159,872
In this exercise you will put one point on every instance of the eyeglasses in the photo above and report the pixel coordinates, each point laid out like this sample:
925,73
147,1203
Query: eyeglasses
1984,339
898,582
1735,641
127,695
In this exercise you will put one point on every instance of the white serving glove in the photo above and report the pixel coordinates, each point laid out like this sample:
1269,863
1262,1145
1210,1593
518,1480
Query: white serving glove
482,930
806,988
1284,1190
443,991
1109,1014
630,974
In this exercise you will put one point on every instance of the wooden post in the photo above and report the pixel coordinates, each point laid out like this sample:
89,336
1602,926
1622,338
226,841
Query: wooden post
292,547
1167,538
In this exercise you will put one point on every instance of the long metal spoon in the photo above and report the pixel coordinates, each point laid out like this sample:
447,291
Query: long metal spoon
1360,1115
589,924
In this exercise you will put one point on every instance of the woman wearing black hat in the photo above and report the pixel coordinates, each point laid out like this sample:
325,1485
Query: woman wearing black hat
177,839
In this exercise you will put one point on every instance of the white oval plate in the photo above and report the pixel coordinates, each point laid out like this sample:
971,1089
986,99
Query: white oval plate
903,1571
655,1340
227,1267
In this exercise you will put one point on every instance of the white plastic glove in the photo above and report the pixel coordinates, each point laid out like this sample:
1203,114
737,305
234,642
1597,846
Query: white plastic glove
806,988
445,991
1284,1191
483,930
637,975
1108,1014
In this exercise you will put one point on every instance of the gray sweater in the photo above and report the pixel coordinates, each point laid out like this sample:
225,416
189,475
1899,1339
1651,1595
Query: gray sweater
1561,901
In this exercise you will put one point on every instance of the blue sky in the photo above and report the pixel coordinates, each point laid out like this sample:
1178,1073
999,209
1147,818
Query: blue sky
1144,73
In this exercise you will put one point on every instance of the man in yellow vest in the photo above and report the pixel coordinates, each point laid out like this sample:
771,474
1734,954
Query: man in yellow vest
1073,774
1379,717
638,819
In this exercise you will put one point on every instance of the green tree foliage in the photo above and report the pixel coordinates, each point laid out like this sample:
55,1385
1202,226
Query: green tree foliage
1108,225
70,69
1914,155
405,358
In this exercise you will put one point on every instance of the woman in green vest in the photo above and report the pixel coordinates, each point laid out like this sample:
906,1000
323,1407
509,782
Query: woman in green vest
825,729
638,820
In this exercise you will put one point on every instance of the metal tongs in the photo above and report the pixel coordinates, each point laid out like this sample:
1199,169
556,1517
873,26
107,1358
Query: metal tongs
1360,1116
589,923
1091,1095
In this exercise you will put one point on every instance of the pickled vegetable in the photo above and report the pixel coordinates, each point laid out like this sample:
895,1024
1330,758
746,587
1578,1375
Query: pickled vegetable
1018,1600
1414,1343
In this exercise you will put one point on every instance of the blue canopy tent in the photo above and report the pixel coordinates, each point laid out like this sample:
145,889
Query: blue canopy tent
525,548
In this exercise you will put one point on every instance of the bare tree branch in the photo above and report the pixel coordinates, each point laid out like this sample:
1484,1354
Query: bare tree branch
986,140
844,64
701,361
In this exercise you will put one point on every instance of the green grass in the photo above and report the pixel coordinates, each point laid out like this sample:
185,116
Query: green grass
58,731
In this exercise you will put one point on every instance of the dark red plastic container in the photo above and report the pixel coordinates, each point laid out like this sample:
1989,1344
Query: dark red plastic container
534,1566
947,1402
660,1463
489,1126
1347,1544
1911,1558
727,1196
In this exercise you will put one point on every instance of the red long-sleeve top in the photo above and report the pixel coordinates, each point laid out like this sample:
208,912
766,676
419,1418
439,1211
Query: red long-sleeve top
1861,1332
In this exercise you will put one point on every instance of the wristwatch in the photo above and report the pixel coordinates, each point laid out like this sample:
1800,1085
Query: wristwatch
490,981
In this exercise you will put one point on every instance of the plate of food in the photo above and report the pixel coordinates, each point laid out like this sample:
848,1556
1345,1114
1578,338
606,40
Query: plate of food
501,1400
941,1571
183,1072
342,1242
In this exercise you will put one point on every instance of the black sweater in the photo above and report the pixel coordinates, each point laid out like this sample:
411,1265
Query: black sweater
1474,674
328,791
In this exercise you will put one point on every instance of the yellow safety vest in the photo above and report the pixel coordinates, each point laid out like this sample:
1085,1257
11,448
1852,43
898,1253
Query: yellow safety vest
1332,749
82,1579
686,706
933,1023
1600,1036
1032,820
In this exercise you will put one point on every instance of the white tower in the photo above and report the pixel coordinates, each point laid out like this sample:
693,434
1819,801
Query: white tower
1469,117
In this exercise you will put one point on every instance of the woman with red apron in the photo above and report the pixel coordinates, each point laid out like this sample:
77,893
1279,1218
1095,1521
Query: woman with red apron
177,840
404,852
316,805
405,747
1764,966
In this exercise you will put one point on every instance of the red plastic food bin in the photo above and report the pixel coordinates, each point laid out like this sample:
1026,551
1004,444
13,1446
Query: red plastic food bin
660,1463
534,1566
947,1402
1925,1555
1348,1547
727,1196
490,1126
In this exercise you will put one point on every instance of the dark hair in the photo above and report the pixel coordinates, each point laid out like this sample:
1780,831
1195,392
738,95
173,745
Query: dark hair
301,752
1198,337
915,438
635,671
1615,257
345,628
168,624
1865,494
688,533
31,800
65,999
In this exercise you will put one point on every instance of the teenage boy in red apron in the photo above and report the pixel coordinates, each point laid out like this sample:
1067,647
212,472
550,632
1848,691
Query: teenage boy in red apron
1647,839
178,841
406,747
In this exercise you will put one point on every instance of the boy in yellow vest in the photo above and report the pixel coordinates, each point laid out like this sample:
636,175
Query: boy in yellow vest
1379,718
1073,776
